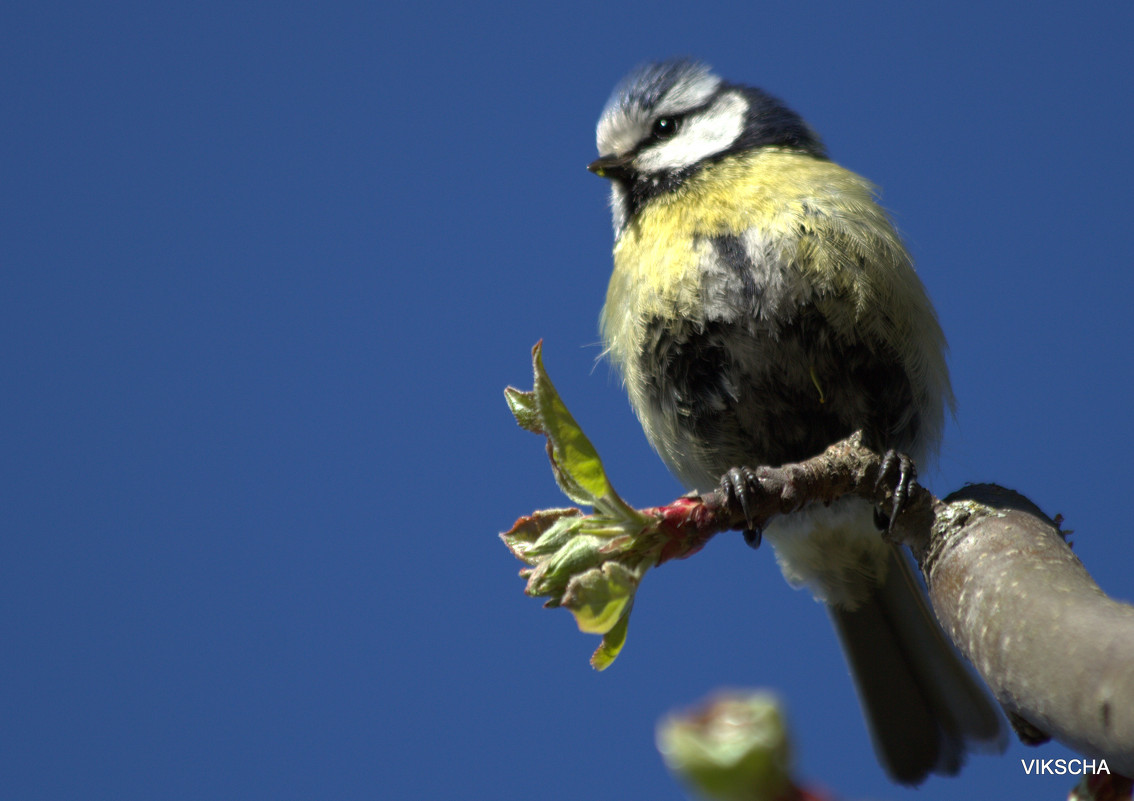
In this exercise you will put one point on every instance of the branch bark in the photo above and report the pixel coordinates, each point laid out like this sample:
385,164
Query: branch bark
1055,650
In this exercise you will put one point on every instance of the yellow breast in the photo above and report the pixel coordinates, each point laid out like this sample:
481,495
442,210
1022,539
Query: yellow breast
658,256
816,224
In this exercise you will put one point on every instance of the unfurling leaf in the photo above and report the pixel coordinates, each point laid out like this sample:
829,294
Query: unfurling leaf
591,564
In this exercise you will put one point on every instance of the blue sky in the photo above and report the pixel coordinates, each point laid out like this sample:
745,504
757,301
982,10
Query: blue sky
266,270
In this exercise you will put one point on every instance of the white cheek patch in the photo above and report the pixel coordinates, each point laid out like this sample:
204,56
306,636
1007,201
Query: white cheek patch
701,135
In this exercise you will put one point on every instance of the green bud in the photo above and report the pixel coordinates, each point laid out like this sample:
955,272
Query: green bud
735,748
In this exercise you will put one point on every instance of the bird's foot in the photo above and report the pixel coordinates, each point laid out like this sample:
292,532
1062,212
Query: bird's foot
898,472
739,487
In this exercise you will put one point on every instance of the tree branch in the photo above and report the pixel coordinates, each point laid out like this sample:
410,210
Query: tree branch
1055,650
1057,653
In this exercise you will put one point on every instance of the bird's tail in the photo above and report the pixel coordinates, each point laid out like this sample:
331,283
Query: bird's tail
923,707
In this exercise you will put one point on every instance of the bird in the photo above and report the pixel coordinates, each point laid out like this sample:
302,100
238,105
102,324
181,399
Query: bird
762,307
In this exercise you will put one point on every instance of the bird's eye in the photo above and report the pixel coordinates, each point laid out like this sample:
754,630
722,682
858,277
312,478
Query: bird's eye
664,128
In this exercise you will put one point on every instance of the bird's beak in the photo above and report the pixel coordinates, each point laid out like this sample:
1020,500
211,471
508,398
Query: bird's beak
611,166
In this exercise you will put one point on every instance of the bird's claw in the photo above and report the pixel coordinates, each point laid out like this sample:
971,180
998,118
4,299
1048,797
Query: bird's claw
897,471
738,486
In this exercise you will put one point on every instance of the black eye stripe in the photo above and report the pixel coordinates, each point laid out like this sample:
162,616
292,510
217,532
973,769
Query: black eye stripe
673,123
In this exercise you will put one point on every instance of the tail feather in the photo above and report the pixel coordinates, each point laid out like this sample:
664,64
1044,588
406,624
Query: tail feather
923,707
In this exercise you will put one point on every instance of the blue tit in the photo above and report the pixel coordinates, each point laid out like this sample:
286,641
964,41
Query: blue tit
761,308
